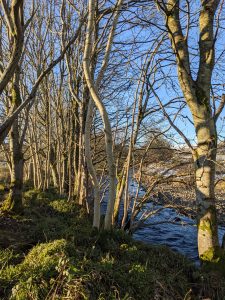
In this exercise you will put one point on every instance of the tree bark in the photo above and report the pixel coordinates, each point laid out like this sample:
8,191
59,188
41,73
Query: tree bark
93,89
14,199
205,158
197,95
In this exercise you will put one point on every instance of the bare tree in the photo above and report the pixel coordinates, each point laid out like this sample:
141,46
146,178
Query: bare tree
198,98
98,102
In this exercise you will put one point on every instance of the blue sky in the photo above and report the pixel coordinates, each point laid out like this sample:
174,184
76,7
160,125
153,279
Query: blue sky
167,84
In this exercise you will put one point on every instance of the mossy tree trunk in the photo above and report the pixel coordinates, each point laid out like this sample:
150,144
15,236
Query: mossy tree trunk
197,96
14,199
13,15
53,164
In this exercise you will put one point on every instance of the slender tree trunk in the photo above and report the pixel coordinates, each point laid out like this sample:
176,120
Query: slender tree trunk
53,164
76,151
14,200
120,190
91,169
93,89
126,194
80,180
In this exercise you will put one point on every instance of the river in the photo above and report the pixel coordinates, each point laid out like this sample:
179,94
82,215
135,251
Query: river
173,229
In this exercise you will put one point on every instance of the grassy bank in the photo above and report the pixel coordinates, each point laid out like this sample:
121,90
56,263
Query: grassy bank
51,252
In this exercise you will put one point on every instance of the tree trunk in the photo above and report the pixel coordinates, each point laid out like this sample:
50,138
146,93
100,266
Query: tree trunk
91,169
197,95
205,159
14,200
93,89
53,164
119,194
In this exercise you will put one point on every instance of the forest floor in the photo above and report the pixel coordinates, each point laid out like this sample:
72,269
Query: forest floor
52,252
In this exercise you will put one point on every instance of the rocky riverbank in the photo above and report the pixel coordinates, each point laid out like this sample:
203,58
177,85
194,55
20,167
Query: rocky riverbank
182,198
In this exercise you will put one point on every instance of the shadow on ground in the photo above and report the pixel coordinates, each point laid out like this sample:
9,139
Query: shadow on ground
52,252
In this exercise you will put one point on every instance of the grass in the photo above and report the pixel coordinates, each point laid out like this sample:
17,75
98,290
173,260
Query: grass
52,252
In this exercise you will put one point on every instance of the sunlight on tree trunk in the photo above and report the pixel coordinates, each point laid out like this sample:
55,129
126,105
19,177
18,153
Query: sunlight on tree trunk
197,95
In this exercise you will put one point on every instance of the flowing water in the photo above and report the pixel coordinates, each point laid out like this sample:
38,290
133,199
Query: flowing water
168,227
181,237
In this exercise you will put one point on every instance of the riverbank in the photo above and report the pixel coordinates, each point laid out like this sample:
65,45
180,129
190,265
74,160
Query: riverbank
182,198
51,252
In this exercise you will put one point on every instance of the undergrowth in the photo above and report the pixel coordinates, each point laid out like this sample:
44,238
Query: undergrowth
52,252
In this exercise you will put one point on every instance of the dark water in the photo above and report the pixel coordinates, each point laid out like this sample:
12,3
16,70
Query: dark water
181,236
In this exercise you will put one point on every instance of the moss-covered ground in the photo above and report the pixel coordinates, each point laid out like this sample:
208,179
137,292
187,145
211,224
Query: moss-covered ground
52,252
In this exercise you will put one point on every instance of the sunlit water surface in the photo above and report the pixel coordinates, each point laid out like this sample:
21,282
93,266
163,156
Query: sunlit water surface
167,227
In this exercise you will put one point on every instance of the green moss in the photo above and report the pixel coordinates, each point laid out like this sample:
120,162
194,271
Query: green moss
211,255
65,258
13,203
30,196
209,224
37,197
7,257
15,97
121,180
32,276
205,225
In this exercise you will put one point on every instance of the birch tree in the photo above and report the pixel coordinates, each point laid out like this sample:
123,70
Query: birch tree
93,89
